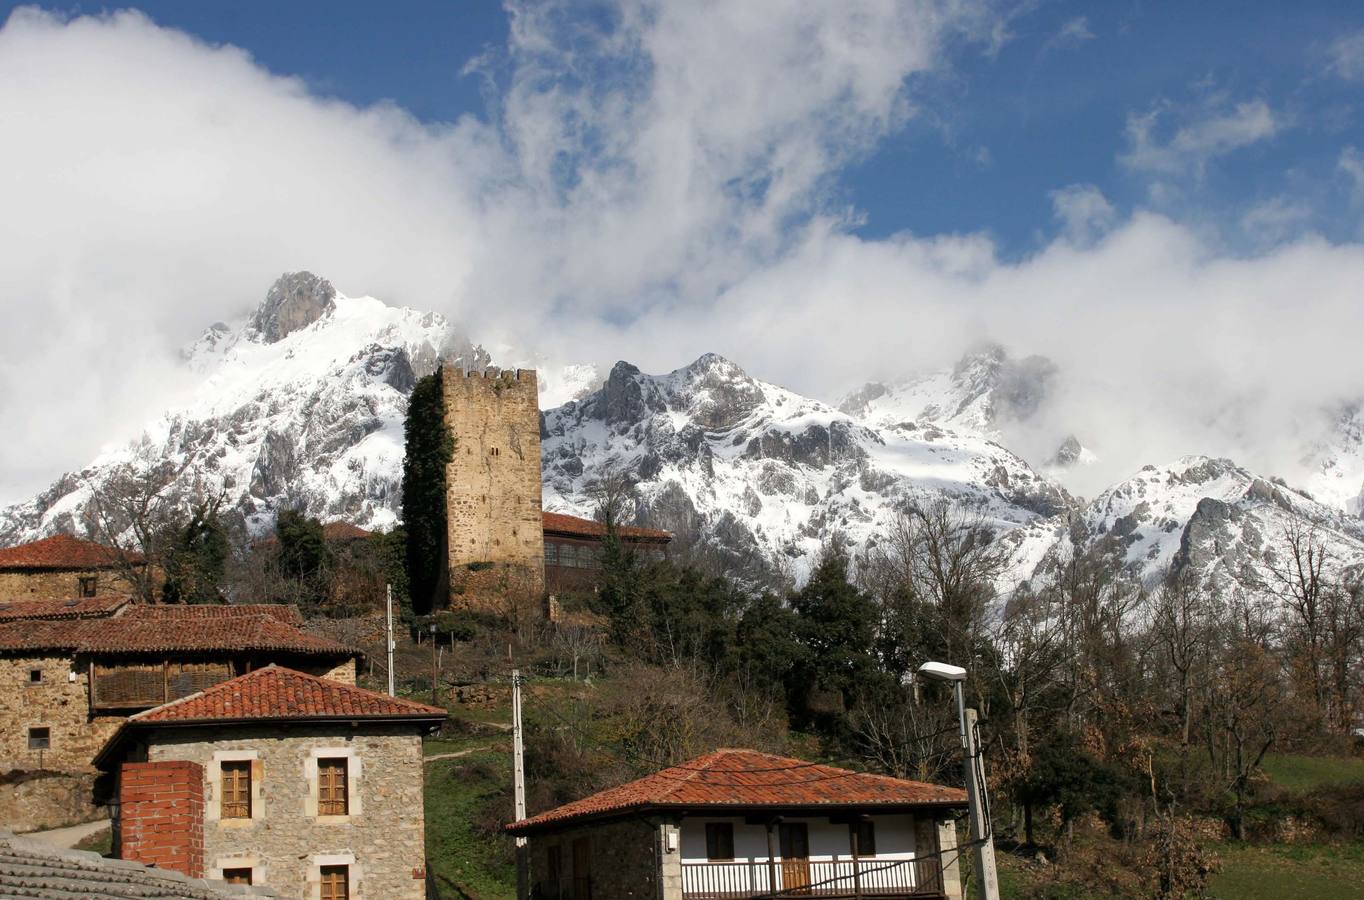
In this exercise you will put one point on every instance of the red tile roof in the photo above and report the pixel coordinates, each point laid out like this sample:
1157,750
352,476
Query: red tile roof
74,608
275,692
732,780
344,531
62,551
174,629
559,523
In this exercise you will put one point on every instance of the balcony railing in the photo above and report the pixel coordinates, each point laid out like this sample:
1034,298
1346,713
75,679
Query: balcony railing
866,877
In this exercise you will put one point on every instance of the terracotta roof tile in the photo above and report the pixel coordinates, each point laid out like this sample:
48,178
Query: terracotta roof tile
275,692
344,531
172,629
560,523
746,779
74,608
62,551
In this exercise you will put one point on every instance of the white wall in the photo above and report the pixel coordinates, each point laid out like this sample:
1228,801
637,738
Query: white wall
830,855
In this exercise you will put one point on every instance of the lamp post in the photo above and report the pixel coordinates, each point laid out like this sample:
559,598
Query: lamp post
981,838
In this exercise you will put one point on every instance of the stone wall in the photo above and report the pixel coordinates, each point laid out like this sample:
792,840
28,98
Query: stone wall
57,585
57,791
285,842
493,498
625,859
161,816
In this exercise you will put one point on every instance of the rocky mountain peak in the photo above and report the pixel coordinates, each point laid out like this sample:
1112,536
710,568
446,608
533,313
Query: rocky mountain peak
295,300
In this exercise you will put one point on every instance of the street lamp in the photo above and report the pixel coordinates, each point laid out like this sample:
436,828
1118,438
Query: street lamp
981,838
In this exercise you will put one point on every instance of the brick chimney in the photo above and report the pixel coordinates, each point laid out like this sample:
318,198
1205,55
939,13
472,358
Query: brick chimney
161,816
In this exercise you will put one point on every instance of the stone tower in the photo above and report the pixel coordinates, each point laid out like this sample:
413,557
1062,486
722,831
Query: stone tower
495,531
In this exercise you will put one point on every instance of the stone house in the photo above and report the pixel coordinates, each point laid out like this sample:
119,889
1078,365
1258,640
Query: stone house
72,670
742,824
61,567
278,778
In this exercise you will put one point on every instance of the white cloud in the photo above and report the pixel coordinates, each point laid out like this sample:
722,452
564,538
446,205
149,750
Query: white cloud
1351,163
1072,33
1345,56
1083,211
1275,219
154,184
1207,135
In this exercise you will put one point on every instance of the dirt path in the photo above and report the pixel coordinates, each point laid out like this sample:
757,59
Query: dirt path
67,838
455,755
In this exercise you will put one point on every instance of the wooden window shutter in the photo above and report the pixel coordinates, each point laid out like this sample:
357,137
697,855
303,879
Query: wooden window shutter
236,790
335,883
332,799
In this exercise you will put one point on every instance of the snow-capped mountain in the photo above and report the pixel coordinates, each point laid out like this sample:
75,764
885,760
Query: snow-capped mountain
1205,515
987,392
764,473
299,406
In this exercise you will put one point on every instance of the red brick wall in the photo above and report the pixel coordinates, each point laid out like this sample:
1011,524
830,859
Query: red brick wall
161,821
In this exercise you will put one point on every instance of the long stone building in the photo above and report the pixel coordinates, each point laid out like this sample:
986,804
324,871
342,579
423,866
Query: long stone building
62,566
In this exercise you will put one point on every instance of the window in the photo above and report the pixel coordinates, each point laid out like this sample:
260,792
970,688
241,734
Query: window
865,833
335,882
236,790
719,841
551,553
331,787
39,738
35,676
89,586
237,876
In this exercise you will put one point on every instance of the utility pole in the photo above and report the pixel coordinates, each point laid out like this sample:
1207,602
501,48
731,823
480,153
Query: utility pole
388,633
519,787
982,840
435,672
986,875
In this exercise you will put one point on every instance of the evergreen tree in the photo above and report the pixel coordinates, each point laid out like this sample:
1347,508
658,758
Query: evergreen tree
430,447
196,558
303,558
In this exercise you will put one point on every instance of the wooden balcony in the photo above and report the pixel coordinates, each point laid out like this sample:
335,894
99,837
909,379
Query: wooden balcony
866,878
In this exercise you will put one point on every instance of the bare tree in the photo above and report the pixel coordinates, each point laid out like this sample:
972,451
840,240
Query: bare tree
1182,625
131,510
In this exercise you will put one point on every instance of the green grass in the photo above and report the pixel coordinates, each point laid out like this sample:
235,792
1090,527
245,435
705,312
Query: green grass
101,842
1320,871
1303,773
457,794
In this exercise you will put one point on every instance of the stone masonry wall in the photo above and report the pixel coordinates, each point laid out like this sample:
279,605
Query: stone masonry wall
55,788
624,860
46,585
161,817
285,842
493,498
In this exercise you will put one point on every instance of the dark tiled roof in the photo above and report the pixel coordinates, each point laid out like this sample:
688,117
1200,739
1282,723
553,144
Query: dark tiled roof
171,629
62,551
746,780
558,523
31,869
75,608
277,693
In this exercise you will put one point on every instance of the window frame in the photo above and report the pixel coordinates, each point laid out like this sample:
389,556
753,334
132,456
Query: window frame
41,733
235,874
35,676
89,585
718,834
331,877
229,806
336,770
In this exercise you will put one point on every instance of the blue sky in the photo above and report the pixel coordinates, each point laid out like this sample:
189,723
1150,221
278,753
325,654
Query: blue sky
1163,198
997,131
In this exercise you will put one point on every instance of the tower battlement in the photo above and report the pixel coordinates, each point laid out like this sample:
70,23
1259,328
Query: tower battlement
493,479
